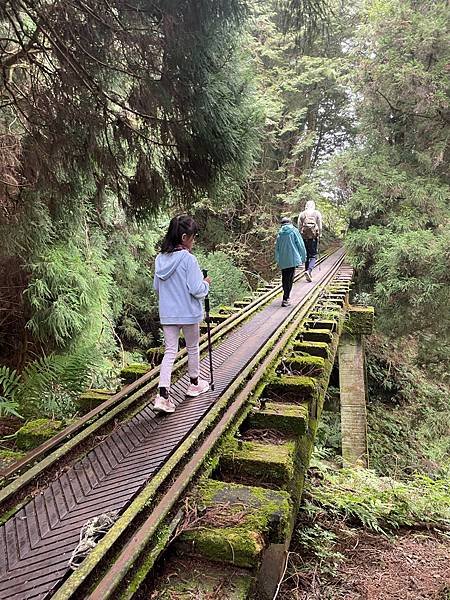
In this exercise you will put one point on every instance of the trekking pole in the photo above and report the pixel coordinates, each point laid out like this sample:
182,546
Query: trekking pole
208,326
318,253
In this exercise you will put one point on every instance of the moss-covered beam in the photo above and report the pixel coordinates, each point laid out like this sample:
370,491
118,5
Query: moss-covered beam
269,465
359,320
250,519
36,432
313,348
316,335
193,578
291,388
286,418
134,371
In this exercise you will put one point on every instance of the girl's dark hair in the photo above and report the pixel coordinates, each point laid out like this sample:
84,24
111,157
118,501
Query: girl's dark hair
182,224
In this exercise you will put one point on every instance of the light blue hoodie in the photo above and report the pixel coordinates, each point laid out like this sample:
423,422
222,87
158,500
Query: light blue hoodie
180,286
289,248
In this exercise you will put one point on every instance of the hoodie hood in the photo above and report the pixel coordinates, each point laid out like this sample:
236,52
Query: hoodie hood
286,229
166,264
310,205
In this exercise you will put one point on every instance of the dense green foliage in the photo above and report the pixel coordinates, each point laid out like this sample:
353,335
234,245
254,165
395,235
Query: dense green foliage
361,497
409,413
146,111
396,180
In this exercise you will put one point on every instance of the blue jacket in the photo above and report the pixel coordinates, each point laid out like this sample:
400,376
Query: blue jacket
289,248
180,286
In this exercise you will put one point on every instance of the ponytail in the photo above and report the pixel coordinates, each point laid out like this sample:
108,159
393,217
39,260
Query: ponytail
178,226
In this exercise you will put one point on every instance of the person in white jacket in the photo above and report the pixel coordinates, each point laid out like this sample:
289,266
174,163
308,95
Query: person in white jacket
310,227
181,288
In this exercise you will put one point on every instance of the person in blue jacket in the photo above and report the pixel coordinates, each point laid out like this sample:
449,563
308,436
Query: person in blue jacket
290,252
181,288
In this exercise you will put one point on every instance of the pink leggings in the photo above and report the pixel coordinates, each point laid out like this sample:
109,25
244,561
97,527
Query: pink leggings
171,335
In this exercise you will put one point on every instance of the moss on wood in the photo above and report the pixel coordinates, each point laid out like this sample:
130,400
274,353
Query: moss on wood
321,324
134,371
8,457
311,366
313,348
317,335
189,579
265,518
298,388
36,432
287,418
91,399
360,320
270,464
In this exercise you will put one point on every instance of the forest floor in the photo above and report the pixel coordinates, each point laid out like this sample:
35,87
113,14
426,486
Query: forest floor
412,565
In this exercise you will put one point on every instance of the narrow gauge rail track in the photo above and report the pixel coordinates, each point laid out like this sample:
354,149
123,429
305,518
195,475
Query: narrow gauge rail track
129,468
24,477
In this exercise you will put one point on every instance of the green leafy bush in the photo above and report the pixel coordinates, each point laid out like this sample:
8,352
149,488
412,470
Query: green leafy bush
46,387
381,504
228,282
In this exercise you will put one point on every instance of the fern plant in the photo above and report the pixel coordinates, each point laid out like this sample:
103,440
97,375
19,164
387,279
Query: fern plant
9,384
47,386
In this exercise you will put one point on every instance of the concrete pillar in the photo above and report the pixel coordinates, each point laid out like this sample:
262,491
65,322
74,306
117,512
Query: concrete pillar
352,382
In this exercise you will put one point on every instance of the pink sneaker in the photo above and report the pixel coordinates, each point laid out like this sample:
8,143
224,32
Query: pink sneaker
195,390
164,404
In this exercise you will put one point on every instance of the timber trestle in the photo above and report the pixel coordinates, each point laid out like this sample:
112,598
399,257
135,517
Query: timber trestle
145,464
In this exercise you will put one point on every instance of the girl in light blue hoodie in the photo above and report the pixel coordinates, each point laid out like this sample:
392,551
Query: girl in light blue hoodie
180,285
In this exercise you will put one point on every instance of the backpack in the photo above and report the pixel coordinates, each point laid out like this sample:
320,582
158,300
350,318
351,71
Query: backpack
309,228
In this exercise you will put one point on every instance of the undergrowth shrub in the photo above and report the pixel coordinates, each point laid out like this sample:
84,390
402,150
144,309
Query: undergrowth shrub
381,504
408,412
47,387
228,283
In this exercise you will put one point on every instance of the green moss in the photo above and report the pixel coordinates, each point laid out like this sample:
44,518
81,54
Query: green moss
312,366
317,335
313,348
270,464
232,545
264,517
298,388
241,303
216,317
200,579
12,511
322,324
155,355
360,320
91,399
227,309
36,432
288,418
134,371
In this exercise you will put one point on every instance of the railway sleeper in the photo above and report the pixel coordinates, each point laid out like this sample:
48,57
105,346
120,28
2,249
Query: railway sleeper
316,335
236,523
283,417
190,578
260,462
313,349
321,324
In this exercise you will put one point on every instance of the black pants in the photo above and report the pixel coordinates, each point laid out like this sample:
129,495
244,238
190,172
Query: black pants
311,253
287,278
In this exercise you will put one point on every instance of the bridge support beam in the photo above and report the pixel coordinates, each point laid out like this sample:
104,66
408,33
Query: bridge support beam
353,389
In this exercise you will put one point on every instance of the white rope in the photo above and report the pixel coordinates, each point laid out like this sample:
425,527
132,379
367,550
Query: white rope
90,534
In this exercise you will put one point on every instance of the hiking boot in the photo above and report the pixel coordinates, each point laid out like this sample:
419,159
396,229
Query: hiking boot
308,276
165,405
195,390
285,303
